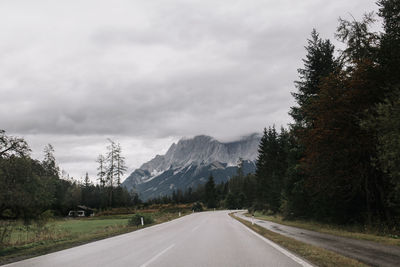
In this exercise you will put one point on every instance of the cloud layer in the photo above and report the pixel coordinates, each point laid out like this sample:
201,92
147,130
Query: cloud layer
75,72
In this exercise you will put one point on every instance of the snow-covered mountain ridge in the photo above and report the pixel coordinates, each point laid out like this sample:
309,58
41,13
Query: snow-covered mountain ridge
189,158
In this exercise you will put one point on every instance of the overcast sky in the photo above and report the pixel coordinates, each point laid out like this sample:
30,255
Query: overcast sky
146,73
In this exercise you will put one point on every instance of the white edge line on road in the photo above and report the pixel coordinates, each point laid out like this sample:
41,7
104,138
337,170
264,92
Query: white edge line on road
279,248
156,256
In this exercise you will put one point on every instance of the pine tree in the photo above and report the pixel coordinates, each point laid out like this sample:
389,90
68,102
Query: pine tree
101,170
319,63
210,194
49,162
271,168
389,52
86,181
120,167
111,163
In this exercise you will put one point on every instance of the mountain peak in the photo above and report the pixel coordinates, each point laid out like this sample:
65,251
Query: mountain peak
197,152
197,138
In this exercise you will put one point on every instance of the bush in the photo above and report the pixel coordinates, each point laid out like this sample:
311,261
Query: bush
6,229
197,206
135,220
44,218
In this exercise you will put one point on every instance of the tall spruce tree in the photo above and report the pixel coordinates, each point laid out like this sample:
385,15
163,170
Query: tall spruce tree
101,175
319,63
120,167
210,193
271,168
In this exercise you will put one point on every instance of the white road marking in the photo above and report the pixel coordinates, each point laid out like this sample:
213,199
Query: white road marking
279,248
156,256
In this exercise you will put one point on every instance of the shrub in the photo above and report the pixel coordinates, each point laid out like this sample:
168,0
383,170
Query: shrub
197,206
136,219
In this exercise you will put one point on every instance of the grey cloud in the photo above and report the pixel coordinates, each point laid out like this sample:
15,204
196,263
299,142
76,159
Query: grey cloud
152,70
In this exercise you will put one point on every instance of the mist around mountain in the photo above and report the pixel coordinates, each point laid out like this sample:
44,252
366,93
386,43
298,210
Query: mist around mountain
190,162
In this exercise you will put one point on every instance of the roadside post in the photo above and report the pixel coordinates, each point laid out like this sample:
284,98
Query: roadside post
179,214
252,220
141,219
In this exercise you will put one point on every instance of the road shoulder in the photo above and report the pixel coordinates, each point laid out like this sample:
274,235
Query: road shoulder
315,255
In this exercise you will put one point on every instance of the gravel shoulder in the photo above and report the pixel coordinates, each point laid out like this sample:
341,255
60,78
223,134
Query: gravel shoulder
371,253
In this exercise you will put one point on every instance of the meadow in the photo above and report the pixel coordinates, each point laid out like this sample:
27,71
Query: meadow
24,241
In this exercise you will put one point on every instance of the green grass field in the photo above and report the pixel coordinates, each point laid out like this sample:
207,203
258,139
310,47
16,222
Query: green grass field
33,240
88,226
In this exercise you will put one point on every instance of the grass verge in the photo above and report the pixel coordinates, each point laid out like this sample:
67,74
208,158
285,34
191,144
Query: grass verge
348,231
315,255
66,233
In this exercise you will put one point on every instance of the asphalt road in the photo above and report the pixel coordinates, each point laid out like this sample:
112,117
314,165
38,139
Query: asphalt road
200,239
372,253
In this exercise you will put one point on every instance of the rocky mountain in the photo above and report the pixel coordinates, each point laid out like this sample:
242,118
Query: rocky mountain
190,162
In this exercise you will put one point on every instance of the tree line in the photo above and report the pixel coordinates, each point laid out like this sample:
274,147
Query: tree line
342,147
237,192
30,188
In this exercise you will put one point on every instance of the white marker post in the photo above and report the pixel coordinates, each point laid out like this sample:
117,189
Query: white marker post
141,219
179,214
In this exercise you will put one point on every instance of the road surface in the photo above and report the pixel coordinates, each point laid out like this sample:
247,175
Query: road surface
199,239
372,253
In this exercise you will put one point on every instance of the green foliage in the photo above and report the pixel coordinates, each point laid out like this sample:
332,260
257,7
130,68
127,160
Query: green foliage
342,157
23,190
197,206
386,123
230,202
319,63
210,197
271,168
136,219
6,229
29,189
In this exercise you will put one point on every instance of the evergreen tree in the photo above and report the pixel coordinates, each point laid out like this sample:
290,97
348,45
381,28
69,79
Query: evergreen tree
111,160
49,162
389,52
271,168
120,167
101,170
86,182
319,63
210,194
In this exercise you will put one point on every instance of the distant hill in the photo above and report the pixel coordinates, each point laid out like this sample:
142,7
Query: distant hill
190,162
